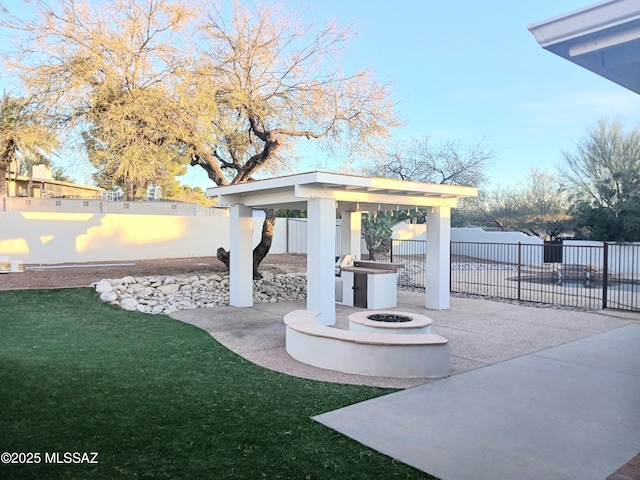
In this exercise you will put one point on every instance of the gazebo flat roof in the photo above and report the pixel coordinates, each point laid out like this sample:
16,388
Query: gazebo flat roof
353,193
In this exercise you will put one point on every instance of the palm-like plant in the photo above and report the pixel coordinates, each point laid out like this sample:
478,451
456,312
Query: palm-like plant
21,133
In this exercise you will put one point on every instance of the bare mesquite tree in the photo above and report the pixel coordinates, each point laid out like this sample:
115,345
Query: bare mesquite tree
538,207
277,82
546,204
497,208
155,81
450,162
421,160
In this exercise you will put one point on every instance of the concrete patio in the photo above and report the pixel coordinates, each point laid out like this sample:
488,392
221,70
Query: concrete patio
480,332
534,392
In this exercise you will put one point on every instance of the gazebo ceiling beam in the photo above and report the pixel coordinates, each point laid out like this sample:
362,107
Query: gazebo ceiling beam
264,199
347,201
390,200
365,207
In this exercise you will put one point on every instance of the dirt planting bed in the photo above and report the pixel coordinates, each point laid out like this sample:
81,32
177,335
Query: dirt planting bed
82,275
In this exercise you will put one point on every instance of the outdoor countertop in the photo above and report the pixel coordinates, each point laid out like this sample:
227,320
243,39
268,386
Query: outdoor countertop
369,271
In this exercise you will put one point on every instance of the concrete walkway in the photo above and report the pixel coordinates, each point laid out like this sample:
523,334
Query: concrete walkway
534,393
568,412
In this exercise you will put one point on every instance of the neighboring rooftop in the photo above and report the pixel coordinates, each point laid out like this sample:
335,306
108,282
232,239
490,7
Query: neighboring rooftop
41,184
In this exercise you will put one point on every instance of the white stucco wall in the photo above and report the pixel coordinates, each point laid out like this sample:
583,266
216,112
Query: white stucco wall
481,243
486,245
623,258
49,237
474,234
281,231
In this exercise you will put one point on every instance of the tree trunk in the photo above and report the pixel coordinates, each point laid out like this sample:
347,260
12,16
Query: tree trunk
130,193
261,250
3,179
264,246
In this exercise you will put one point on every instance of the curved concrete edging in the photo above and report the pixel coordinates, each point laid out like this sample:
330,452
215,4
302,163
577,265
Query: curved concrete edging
363,353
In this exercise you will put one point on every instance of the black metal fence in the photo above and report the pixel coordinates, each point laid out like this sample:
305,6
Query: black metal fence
411,253
593,276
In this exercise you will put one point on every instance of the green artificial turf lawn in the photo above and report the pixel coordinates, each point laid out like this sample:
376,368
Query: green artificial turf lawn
157,398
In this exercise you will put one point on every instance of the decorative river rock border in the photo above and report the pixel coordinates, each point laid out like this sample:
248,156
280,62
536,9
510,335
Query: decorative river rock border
165,295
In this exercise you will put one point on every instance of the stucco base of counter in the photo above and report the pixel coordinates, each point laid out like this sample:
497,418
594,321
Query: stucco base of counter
382,288
361,353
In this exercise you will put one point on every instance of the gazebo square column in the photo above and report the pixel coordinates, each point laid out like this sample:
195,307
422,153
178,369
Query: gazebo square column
321,251
241,257
351,233
438,259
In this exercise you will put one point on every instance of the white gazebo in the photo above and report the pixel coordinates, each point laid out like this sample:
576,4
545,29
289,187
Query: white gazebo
322,194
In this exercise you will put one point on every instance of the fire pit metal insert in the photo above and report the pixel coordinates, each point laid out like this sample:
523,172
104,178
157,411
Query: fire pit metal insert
389,317
389,321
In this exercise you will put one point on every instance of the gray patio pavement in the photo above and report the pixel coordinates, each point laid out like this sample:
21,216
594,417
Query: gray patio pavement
534,392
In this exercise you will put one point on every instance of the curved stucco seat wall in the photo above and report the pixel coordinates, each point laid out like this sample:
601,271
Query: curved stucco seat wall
362,353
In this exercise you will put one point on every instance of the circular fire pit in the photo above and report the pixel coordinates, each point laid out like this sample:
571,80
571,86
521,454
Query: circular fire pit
389,317
389,322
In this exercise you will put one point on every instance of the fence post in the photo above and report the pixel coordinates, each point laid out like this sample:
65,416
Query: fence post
450,265
391,252
519,266
605,274
286,235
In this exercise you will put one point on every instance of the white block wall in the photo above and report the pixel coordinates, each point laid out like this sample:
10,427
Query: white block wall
50,238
